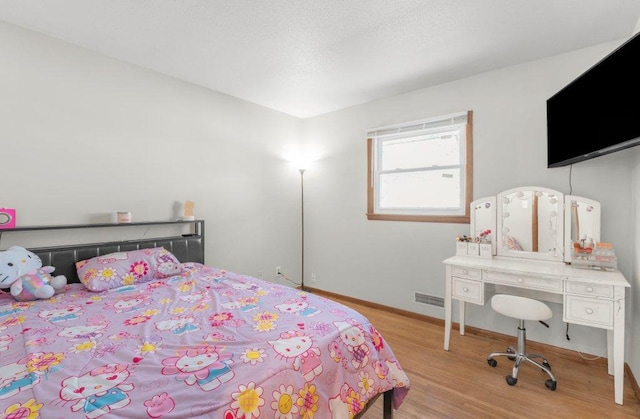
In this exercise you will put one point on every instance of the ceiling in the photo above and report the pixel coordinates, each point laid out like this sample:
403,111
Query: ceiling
308,57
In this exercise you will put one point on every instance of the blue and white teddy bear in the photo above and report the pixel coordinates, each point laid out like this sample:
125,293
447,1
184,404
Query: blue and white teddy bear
22,272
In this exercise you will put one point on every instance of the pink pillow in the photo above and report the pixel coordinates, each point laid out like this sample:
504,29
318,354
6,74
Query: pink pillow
125,268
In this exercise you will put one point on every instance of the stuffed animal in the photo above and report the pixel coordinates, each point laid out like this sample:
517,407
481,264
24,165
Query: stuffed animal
22,272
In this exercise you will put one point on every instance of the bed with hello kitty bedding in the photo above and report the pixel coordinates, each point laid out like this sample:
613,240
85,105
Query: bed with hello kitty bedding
145,336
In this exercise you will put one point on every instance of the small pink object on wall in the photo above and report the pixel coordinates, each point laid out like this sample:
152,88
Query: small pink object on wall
7,218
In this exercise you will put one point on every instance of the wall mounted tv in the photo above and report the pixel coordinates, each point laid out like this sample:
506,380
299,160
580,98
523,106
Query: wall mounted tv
599,112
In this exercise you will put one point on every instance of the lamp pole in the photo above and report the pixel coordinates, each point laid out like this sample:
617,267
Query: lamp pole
302,218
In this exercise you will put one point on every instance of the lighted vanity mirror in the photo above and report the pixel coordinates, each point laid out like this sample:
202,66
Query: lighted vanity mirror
530,223
582,223
483,220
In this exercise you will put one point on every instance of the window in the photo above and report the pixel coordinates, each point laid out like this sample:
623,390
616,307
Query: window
421,170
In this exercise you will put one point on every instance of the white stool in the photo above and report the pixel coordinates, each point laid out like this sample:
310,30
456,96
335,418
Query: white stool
522,308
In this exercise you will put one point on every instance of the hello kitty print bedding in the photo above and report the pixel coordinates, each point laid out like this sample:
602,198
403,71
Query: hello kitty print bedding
204,343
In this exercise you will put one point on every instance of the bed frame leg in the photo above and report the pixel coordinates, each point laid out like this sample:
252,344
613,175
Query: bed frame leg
387,400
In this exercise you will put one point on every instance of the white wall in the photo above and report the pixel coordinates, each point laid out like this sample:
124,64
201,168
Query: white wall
83,136
386,262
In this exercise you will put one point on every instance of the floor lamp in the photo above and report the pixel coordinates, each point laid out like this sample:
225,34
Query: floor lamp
301,161
302,229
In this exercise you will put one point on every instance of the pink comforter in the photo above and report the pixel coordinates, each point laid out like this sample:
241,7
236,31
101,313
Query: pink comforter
208,343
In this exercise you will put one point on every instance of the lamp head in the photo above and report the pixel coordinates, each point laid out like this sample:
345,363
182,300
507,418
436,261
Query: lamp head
301,164
302,156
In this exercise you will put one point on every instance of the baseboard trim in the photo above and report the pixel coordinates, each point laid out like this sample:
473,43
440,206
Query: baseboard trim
632,379
405,313
399,311
468,329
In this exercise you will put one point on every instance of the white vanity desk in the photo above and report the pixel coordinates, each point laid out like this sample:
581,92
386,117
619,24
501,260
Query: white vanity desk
589,297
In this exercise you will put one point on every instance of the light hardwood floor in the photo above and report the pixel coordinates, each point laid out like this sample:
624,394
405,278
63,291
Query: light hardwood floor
460,384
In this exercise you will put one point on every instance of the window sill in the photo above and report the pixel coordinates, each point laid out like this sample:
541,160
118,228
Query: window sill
460,219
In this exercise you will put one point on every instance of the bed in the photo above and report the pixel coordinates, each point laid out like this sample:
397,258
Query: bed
190,341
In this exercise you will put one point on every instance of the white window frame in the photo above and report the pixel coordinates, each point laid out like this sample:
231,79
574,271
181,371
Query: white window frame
462,122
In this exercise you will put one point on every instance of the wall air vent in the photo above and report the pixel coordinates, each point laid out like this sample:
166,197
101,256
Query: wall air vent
428,299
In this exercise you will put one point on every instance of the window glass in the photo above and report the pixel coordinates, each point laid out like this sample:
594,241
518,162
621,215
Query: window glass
421,171
437,189
438,149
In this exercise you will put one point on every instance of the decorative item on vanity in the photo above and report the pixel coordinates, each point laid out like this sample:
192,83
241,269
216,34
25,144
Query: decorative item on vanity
473,248
478,246
7,218
598,256
462,245
484,242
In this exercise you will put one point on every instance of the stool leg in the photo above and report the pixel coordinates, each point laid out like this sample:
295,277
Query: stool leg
544,368
516,366
544,360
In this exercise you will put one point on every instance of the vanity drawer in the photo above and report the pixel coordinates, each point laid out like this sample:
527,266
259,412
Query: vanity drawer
470,273
524,281
592,290
463,289
588,311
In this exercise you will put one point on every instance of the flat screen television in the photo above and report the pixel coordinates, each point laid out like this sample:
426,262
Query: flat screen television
599,112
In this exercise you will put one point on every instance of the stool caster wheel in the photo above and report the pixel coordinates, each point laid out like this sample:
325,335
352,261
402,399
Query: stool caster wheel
509,350
546,364
550,384
512,381
492,362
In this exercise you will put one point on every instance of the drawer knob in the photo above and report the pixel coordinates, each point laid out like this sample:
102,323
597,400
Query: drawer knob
465,289
589,311
520,280
589,289
464,271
